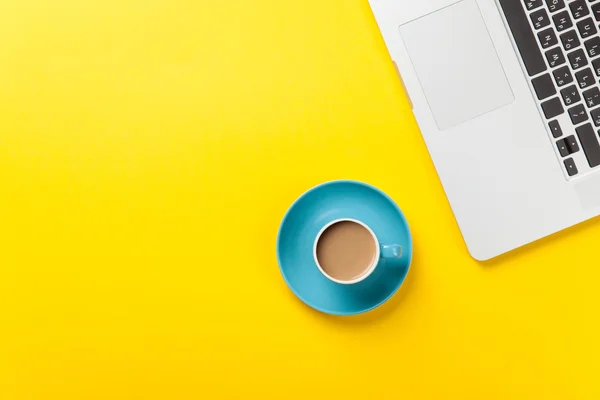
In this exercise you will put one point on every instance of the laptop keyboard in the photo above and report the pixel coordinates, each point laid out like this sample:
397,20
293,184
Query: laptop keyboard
559,44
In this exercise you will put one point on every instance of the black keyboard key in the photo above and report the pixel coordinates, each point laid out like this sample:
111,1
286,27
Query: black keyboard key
572,144
555,5
592,97
569,40
585,78
562,76
596,11
578,114
595,116
579,9
552,108
544,87
570,95
523,35
540,19
593,46
547,38
577,59
531,4
586,28
562,21
596,66
555,57
555,128
562,148
589,142
571,167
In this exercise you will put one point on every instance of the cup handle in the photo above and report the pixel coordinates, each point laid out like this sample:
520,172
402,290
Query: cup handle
391,251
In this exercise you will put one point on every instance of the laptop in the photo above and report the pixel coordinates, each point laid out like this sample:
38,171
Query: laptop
507,96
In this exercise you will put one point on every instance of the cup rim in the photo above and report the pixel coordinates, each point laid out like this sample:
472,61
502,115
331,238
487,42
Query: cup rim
371,268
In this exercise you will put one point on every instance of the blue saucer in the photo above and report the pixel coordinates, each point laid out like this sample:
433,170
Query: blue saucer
326,203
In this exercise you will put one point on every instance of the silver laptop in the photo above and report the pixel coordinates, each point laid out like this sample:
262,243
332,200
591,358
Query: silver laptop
507,96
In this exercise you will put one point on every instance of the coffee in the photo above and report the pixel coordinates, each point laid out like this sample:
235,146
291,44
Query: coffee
346,251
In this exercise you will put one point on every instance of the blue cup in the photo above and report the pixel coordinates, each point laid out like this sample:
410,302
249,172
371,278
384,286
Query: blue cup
382,252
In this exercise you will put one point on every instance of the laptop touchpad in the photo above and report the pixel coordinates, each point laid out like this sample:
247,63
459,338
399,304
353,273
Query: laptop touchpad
456,64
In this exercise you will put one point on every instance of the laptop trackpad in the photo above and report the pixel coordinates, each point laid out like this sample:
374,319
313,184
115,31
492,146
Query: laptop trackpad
456,64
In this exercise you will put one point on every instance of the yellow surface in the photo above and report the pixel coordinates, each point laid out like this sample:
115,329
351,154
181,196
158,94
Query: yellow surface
148,150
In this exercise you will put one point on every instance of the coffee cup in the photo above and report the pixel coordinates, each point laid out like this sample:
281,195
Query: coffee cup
347,251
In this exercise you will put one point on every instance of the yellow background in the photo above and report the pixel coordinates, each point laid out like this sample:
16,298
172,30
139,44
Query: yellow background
148,150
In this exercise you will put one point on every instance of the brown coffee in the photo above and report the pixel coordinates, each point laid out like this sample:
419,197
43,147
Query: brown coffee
346,250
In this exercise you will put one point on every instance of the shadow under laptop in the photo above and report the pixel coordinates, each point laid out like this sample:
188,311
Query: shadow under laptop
580,229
